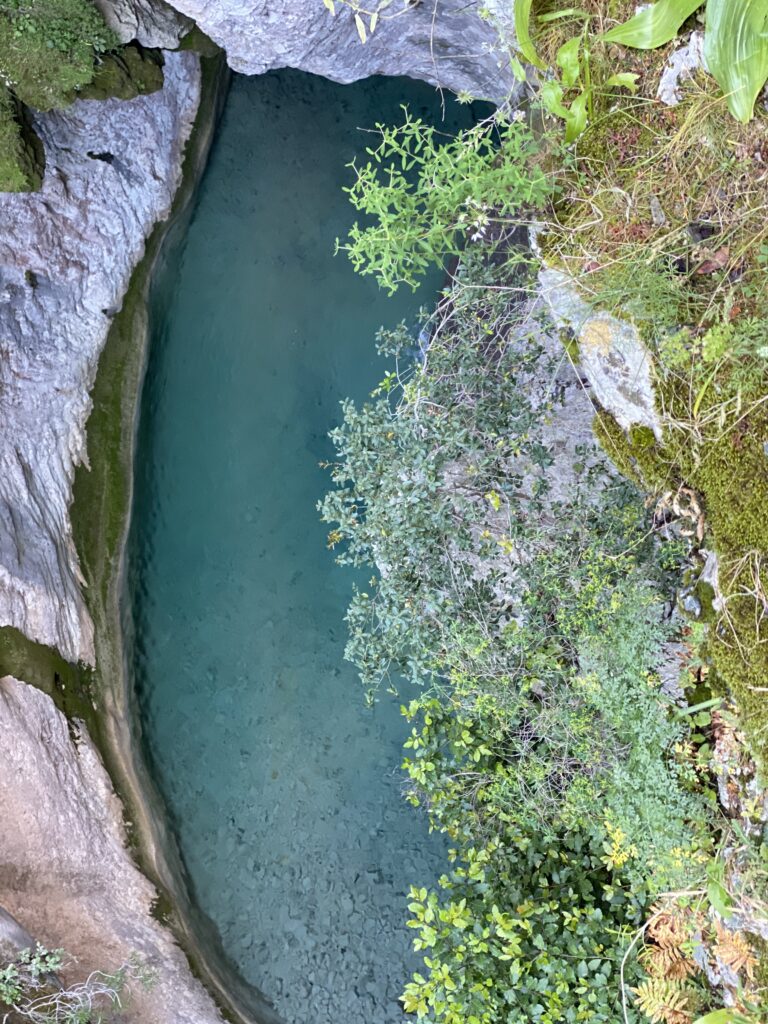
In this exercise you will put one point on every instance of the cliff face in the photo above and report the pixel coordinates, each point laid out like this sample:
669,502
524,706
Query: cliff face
440,41
66,255
64,869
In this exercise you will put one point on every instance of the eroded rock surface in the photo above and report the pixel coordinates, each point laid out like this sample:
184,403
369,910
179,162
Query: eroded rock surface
65,874
151,22
440,41
66,256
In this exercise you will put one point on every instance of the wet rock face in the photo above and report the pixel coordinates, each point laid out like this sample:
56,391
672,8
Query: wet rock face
65,874
440,41
66,256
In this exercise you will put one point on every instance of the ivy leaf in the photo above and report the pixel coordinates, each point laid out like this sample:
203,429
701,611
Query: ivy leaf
654,26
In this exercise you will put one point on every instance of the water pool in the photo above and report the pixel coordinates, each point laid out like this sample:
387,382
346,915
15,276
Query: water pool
283,789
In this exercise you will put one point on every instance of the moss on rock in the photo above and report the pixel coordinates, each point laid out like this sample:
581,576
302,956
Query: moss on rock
22,158
133,71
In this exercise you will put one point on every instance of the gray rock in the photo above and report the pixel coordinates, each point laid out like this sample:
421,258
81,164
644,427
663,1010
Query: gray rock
13,937
151,22
612,355
681,65
65,872
440,41
66,256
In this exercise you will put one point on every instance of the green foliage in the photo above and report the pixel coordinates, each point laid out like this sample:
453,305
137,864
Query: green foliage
28,972
655,25
427,192
48,48
541,740
735,43
30,990
21,153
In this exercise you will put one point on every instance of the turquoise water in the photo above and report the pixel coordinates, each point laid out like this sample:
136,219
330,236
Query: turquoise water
283,789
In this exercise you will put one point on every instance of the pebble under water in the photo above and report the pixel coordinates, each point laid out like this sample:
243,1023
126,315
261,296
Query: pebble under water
283,788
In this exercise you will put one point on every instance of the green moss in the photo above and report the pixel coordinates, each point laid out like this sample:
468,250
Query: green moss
636,453
739,651
22,159
47,49
131,72
197,41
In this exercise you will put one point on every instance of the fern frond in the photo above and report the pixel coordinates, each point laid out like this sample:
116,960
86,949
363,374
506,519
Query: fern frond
664,1001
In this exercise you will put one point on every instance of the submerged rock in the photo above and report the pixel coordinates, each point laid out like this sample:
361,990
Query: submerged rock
66,256
65,873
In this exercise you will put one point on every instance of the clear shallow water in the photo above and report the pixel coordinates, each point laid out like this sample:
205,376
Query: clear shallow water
283,788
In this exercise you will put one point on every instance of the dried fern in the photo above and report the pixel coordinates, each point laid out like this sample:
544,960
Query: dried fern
664,1001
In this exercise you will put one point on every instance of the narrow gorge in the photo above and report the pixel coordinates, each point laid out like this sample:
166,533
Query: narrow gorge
383,560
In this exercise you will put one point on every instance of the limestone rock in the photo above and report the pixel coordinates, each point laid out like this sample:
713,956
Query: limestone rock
440,41
150,22
66,256
65,873
682,64
612,355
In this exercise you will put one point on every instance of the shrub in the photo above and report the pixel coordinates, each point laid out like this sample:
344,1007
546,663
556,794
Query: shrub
531,618
427,192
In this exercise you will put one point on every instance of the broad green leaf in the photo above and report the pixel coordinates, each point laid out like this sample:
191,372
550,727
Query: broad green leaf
736,51
551,96
568,60
654,26
522,13
724,1016
577,116
360,28
624,80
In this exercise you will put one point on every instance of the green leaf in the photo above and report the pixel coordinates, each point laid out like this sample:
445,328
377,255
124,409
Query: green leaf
716,892
551,96
569,12
724,1016
360,28
330,5
654,26
374,21
624,80
736,51
577,116
522,14
568,60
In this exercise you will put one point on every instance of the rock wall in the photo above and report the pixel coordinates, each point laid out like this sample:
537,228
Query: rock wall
65,873
66,256
440,41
